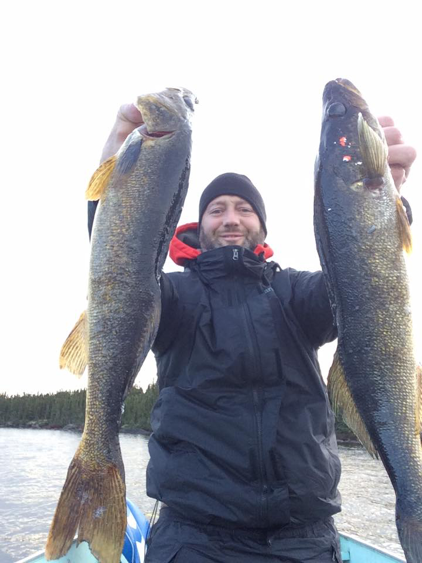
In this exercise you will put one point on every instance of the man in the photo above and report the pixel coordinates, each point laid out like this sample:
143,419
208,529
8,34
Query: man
243,454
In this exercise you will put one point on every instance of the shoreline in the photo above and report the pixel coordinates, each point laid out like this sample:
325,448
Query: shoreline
343,438
69,428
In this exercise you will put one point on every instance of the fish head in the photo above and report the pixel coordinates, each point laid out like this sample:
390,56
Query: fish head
165,112
353,146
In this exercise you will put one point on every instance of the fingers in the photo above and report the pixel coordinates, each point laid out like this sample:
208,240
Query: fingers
393,136
399,175
400,160
400,155
128,118
130,113
386,121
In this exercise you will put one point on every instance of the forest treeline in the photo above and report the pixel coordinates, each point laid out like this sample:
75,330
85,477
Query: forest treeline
67,408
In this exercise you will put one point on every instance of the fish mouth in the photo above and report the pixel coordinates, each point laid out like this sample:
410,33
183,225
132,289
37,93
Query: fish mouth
155,114
341,84
347,84
146,134
341,92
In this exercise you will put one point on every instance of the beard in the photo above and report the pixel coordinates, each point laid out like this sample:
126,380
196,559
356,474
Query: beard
252,239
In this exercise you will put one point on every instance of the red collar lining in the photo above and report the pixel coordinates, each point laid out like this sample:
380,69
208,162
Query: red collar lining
180,252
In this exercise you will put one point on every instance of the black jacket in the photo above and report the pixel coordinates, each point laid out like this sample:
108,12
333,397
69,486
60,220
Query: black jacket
243,433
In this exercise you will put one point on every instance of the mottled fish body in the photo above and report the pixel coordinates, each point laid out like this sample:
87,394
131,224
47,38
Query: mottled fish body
141,192
361,230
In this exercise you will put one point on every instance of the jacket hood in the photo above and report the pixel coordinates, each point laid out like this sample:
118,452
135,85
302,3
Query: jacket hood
184,245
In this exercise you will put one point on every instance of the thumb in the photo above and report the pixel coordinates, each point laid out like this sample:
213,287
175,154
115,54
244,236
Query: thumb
130,113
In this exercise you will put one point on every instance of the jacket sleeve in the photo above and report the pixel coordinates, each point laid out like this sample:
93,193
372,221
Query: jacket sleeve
312,308
171,315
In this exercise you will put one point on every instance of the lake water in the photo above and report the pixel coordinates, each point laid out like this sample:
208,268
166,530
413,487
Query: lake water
34,464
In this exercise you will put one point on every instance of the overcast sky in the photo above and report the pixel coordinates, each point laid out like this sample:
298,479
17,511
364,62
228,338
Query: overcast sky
258,70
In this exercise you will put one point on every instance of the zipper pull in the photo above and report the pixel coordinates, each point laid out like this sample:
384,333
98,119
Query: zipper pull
235,254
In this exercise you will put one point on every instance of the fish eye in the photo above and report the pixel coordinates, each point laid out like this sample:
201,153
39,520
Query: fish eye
336,109
188,102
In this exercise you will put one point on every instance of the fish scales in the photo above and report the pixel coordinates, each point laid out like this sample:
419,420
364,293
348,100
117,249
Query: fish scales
359,221
141,192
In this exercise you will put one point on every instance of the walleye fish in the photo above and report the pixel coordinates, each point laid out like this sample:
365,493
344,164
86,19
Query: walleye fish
141,191
361,229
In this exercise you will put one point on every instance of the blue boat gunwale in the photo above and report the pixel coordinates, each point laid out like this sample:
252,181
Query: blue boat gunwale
77,554
365,552
353,550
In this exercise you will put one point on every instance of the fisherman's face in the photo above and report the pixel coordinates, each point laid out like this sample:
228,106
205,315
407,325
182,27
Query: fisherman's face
227,220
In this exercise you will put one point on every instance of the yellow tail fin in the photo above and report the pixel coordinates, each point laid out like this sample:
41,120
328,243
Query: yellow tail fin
93,501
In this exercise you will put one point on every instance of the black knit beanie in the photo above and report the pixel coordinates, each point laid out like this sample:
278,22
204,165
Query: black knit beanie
234,184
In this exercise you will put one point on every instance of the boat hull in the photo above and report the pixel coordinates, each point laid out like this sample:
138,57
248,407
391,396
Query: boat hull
353,549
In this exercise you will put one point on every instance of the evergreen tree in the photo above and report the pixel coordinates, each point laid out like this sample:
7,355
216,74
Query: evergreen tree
68,407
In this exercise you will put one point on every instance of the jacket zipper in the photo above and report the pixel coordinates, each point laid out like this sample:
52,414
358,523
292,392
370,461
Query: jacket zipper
263,481
256,387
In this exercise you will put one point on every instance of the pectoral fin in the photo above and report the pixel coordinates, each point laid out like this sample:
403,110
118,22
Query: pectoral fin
374,150
74,352
130,154
343,405
122,163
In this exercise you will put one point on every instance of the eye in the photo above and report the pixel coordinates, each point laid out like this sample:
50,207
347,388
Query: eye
188,102
336,110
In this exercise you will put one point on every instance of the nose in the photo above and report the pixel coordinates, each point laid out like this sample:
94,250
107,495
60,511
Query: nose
231,217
